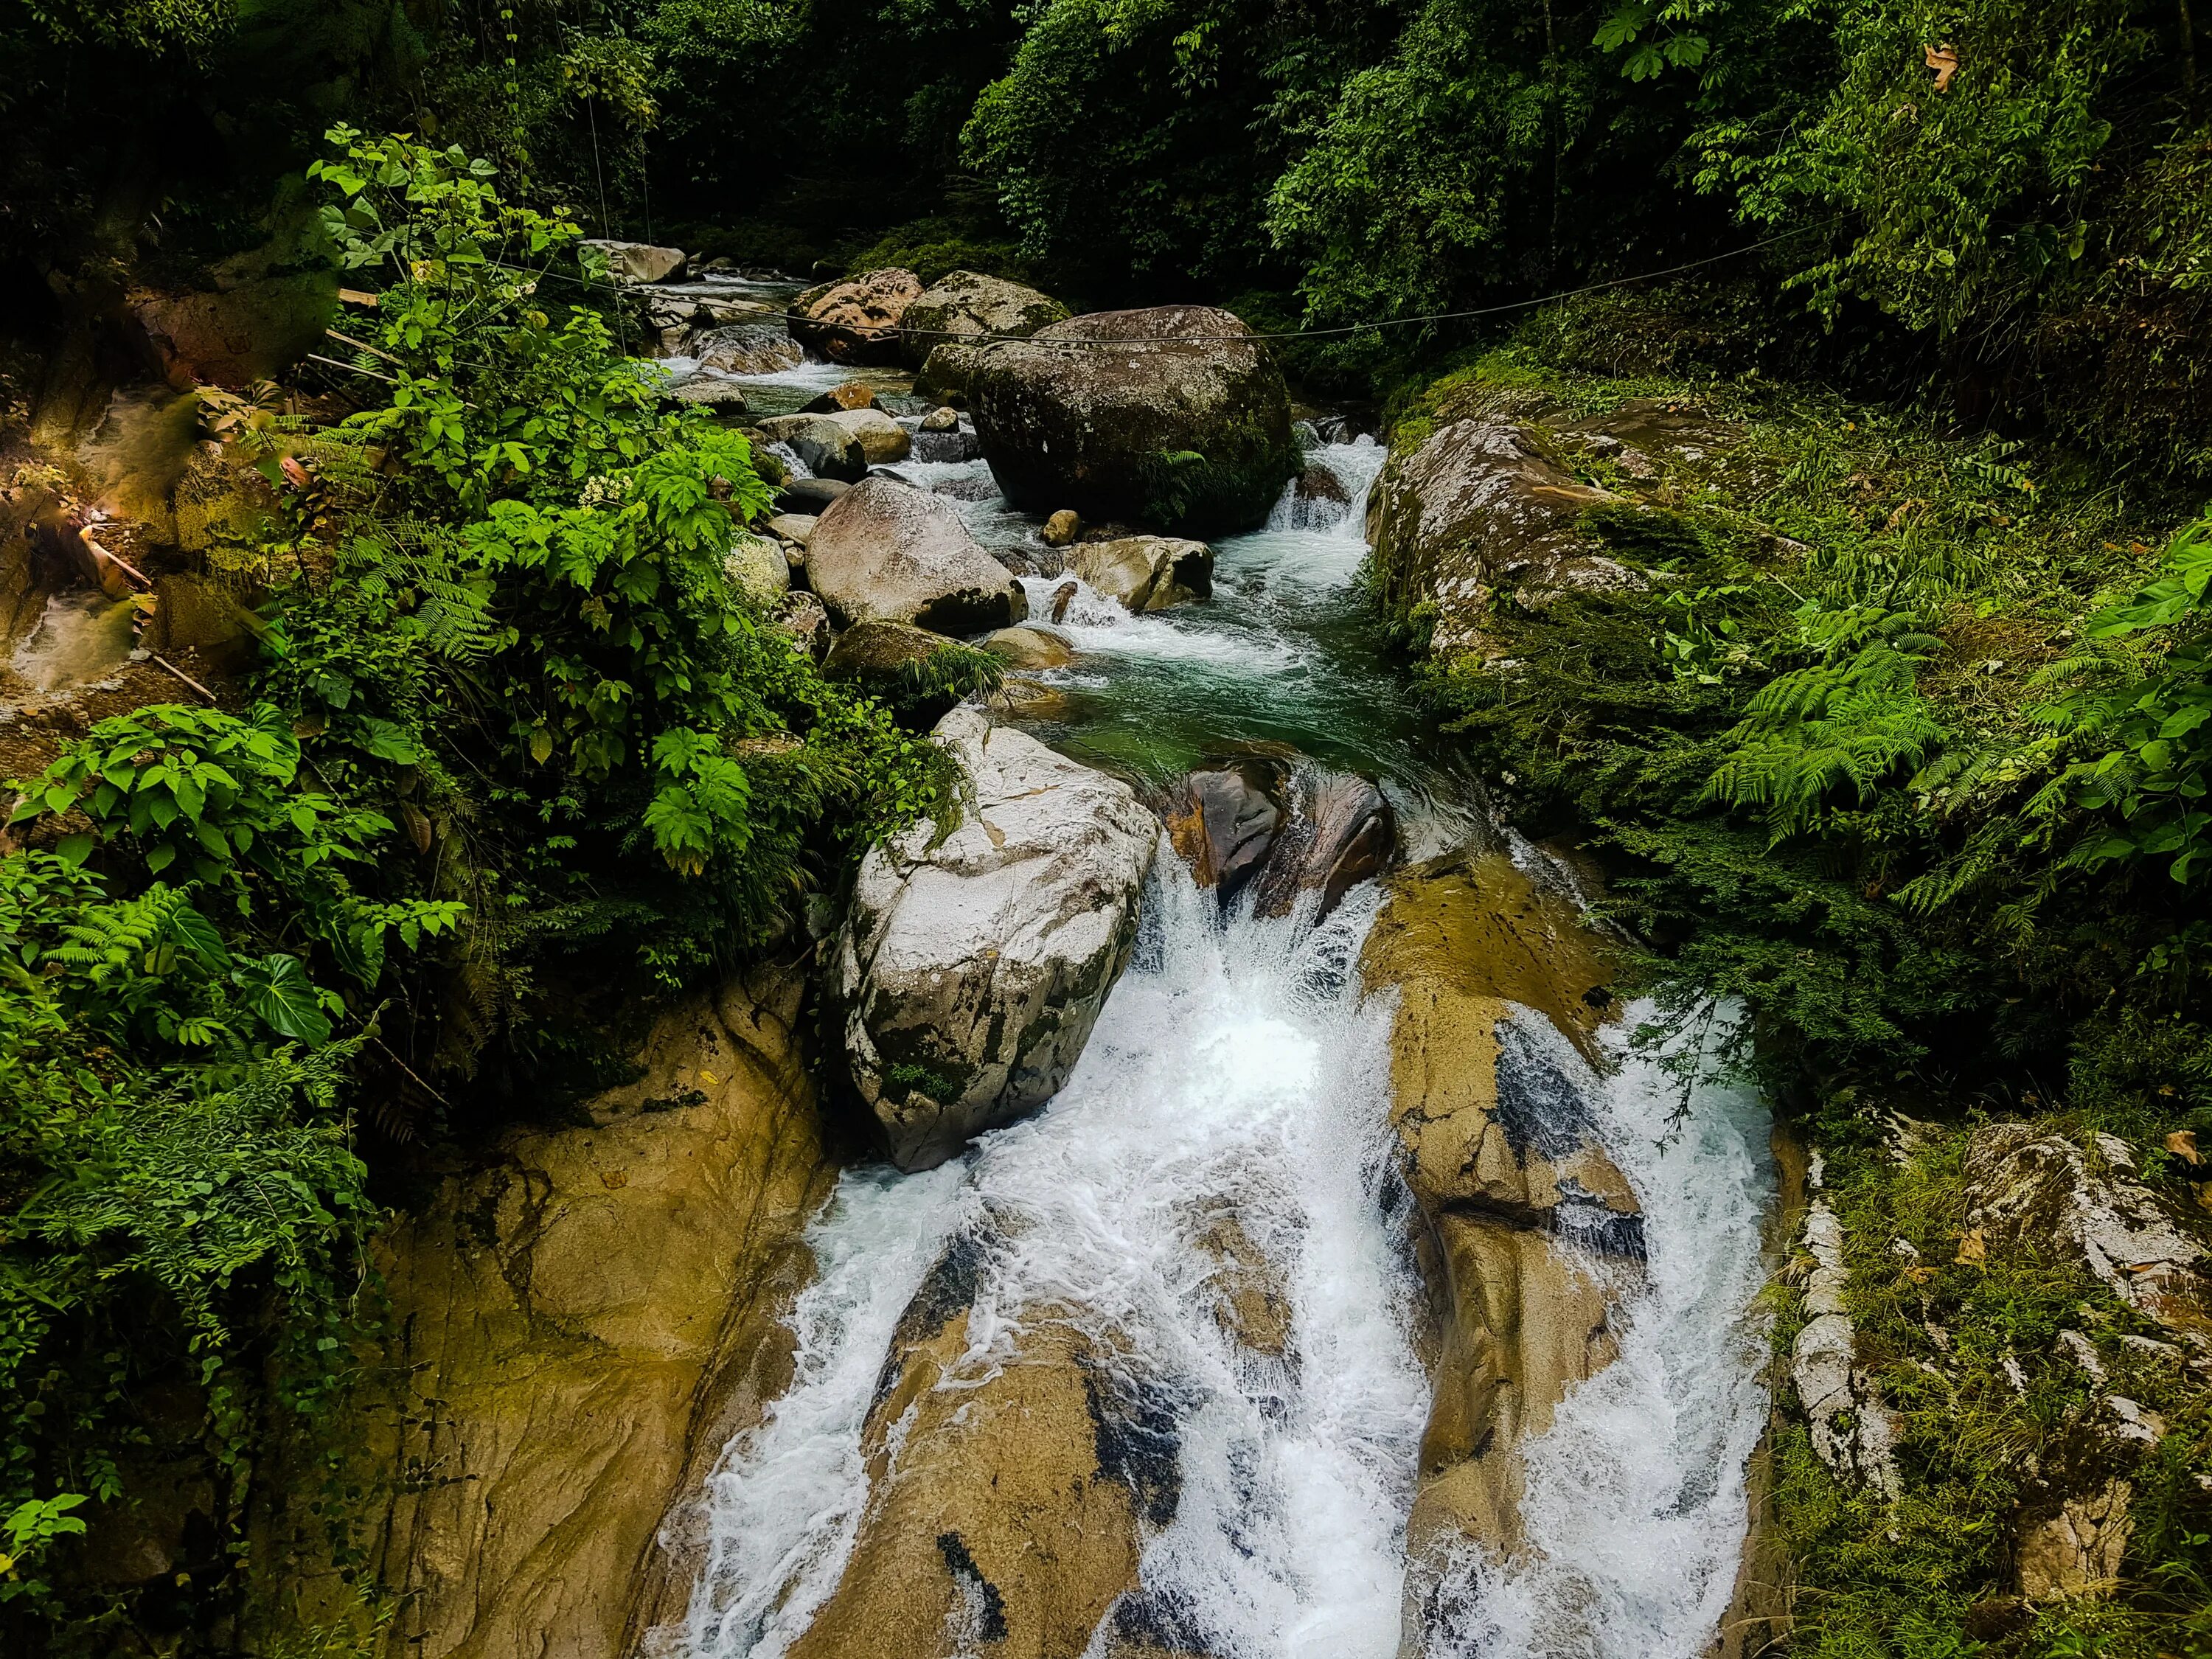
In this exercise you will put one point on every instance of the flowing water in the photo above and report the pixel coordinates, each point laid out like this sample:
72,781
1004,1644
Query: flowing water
79,637
1237,1070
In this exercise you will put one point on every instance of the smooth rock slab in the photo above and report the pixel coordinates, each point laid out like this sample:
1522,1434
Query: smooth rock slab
969,973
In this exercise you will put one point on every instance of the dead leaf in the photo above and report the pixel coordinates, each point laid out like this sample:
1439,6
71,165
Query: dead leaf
1944,60
2182,1143
1973,1248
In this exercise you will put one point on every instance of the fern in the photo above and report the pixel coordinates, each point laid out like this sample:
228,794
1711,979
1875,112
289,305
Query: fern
1811,732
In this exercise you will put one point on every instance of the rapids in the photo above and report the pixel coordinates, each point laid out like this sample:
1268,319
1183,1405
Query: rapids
1237,1068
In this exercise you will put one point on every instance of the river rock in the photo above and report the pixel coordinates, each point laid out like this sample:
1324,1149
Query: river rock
1520,1208
1338,831
797,528
829,448
1223,818
1146,573
809,496
1477,509
581,1319
970,969
750,348
963,303
1006,1501
1030,647
840,399
874,656
855,320
945,418
882,440
629,263
709,389
886,552
1124,414
946,374
1061,529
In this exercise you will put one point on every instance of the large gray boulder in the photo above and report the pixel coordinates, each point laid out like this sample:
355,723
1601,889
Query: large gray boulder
855,320
965,304
970,970
884,551
1173,419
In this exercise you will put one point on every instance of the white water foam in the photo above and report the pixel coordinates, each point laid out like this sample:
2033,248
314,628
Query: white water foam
1636,1509
1233,1071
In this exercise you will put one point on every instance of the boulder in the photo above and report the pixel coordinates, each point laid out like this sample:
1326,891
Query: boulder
630,262
752,348
709,389
2078,1550
1338,829
856,321
828,447
944,418
1479,509
1171,418
809,496
877,656
1030,647
971,968
839,399
965,303
1524,1221
758,569
1223,820
797,528
1061,528
886,552
1007,1503
946,374
882,440
1146,573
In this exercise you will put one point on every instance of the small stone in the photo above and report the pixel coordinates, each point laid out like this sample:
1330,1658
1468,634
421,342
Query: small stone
1062,528
945,418
854,394
793,527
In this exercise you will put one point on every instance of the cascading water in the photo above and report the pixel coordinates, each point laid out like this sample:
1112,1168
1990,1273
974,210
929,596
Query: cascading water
1237,1071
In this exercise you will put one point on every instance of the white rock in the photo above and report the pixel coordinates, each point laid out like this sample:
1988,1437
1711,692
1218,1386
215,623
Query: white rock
969,971
884,551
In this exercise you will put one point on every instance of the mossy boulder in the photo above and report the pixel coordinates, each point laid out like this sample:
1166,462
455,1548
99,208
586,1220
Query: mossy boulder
1174,418
965,303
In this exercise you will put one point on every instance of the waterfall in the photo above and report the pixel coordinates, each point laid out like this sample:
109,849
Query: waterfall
1238,1071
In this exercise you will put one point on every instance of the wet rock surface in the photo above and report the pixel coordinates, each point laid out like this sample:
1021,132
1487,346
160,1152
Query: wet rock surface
1171,418
1294,828
579,1325
1524,1217
971,968
1146,573
884,551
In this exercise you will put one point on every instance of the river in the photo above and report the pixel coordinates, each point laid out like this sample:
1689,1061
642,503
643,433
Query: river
1237,1068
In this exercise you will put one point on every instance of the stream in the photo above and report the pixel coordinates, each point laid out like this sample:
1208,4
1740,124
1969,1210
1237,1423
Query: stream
1237,1069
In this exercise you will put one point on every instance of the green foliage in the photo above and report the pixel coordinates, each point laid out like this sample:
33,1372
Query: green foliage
2152,774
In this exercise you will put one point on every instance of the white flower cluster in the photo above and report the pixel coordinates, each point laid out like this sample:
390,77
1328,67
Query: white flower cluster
601,490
